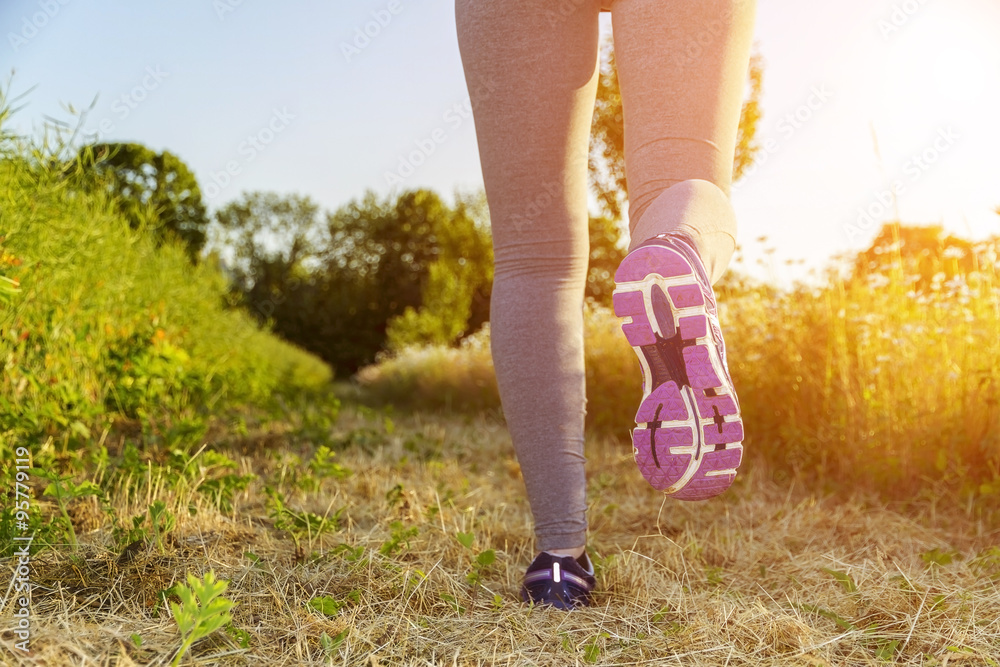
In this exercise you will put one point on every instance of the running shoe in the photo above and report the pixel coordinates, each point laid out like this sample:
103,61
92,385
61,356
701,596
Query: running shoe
689,434
563,582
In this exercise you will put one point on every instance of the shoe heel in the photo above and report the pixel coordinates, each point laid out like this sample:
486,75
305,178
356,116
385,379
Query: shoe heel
684,445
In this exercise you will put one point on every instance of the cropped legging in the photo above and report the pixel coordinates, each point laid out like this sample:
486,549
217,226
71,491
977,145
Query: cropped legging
531,68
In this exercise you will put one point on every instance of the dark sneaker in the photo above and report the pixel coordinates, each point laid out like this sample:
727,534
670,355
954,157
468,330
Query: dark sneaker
689,434
561,581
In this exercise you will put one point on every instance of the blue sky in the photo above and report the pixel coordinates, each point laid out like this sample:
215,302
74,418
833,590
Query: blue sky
260,95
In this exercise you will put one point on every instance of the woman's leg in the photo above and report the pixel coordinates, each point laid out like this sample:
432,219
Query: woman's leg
682,67
531,70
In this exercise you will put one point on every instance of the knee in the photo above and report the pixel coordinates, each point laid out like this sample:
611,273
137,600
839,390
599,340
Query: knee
552,258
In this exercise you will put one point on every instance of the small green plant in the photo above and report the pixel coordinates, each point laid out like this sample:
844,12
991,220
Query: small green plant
63,490
466,539
940,557
126,536
483,560
399,538
240,636
987,563
844,579
162,521
299,524
315,419
842,623
201,612
412,580
325,605
130,463
886,650
349,553
453,603
222,489
395,495
592,649
321,466
330,644
480,563
601,565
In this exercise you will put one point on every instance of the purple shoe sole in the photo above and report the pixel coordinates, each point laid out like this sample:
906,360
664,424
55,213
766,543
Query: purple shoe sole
688,435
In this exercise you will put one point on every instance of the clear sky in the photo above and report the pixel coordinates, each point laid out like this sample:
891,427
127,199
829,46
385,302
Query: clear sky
266,90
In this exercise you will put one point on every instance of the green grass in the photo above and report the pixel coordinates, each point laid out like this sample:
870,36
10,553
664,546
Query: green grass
106,325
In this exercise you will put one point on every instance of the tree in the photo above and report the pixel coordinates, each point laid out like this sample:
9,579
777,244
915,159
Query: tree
267,237
339,285
271,246
606,253
746,134
422,268
459,281
921,251
145,181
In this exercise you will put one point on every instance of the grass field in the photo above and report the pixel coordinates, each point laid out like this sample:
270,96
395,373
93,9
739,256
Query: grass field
364,564
157,441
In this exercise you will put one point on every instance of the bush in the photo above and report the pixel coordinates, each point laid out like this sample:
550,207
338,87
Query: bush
105,322
435,376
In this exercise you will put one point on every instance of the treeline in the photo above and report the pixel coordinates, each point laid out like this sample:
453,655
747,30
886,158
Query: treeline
384,273
376,274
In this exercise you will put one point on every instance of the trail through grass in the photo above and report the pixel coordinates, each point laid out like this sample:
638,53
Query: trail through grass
366,552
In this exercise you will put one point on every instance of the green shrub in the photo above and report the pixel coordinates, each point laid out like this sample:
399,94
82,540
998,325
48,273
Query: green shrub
108,323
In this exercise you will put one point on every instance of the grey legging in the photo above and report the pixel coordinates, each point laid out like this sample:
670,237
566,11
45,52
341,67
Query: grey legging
531,67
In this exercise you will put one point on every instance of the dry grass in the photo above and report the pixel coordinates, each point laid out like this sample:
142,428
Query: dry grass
746,579
879,383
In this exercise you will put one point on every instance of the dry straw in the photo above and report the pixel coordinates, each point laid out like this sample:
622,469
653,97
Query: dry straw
768,574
